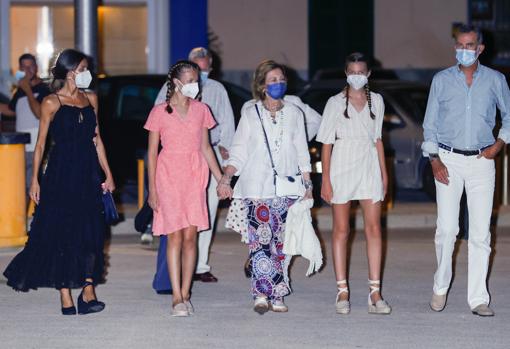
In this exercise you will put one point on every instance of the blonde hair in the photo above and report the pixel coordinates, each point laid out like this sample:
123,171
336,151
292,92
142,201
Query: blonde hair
258,84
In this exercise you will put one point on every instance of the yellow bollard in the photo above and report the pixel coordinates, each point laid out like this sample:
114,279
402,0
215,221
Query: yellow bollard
141,182
13,218
31,208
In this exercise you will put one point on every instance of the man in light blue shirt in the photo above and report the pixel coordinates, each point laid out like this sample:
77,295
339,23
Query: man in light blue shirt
459,141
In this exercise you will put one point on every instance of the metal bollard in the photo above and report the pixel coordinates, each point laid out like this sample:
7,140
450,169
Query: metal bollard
13,220
141,182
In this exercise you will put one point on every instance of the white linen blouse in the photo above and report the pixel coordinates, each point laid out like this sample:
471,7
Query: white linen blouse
250,156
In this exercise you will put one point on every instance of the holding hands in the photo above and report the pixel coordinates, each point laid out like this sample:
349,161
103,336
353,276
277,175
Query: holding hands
224,190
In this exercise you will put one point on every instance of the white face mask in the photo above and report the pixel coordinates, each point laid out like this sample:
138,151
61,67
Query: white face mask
357,81
83,79
190,90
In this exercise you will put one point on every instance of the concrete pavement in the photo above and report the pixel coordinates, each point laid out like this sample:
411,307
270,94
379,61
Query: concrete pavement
405,215
136,317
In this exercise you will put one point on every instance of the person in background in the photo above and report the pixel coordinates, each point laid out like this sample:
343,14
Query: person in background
459,141
215,96
354,169
25,105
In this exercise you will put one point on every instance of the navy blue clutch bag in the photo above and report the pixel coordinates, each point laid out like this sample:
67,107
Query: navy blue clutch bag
110,211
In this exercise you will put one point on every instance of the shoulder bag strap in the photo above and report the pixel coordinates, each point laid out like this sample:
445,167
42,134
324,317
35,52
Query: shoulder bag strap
266,141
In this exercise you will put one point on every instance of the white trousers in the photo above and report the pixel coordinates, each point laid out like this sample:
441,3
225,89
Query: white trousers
477,176
205,237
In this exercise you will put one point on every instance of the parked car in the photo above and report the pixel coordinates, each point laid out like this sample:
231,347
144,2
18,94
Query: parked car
339,73
6,124
124,104
3,98
405,104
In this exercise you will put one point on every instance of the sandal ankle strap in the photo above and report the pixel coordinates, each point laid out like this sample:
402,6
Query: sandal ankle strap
374,285
342,289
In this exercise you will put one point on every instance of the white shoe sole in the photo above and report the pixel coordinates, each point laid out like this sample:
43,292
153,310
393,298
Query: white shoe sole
372,309
344,308
279,309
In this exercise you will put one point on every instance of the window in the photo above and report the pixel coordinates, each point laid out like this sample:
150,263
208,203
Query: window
317,98
413,101
135,102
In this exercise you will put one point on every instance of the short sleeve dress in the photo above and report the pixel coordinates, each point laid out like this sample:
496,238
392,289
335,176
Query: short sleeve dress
355,172
182,172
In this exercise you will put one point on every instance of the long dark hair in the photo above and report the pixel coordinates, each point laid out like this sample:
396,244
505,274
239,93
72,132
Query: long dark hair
67,60
357,57
175,73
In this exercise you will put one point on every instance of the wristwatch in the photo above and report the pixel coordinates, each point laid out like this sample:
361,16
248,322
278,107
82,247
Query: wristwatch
433,156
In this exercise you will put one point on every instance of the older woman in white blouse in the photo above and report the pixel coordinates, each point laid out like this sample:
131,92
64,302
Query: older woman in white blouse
263,212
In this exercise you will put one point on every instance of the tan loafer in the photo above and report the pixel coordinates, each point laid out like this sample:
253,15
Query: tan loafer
482,310
438,302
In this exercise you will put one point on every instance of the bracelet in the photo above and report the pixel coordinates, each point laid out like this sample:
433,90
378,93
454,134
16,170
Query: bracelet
225,179
308,184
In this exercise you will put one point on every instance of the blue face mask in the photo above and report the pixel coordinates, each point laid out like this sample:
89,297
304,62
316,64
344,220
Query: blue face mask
277,90
204,75
466,57
20,74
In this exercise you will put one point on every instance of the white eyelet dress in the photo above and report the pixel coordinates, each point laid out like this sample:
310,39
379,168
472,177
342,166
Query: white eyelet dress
354,172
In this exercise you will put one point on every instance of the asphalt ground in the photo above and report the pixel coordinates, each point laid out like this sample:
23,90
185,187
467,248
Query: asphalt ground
137,317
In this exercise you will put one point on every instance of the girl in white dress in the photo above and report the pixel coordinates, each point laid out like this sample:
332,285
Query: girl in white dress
354,169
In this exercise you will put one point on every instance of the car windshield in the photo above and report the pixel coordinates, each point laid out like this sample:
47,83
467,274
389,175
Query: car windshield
136,101
412,100
317,99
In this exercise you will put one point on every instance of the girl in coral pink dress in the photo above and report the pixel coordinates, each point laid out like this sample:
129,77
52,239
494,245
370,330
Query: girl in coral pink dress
178,176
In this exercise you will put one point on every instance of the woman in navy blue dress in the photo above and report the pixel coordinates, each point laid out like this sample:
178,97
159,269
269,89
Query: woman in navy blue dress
65,245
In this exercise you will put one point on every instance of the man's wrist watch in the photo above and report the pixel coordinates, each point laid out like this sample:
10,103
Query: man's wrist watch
433,157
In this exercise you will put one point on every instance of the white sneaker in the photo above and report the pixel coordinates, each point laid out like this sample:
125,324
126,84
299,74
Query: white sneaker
189,306
278,306
146,238
260,305
180,310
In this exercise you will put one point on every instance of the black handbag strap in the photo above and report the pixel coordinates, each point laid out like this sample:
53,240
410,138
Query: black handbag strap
266,141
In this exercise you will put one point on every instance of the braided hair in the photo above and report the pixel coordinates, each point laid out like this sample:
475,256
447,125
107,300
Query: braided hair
357,57
175,72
